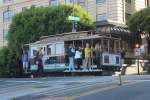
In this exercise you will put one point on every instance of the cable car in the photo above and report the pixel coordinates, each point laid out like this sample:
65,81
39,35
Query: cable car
54,48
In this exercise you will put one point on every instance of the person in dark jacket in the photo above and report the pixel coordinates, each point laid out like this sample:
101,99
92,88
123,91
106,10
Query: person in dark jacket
71,54
39,63
98,55
24,59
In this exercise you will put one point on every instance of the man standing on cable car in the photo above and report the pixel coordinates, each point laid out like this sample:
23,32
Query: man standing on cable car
25,60
87,52
71,54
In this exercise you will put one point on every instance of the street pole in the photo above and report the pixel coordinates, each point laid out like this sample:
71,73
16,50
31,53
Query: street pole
73,28
138,50
120,79
138,66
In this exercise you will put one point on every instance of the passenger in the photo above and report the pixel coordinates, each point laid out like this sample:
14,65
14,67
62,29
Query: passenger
78,57
122,53
98,54
87,52
39,63
24,59
66,59
41,52
83,56
71,54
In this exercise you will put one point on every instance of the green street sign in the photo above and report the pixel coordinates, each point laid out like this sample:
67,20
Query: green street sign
73,18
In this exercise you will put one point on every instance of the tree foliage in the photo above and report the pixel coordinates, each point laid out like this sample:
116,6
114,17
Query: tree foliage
29,25
3,61
140,21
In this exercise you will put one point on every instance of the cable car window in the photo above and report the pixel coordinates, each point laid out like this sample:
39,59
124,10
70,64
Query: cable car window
59,48
50,49
34,51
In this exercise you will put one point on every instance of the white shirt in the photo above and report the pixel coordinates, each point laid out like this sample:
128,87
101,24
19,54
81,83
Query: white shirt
78,54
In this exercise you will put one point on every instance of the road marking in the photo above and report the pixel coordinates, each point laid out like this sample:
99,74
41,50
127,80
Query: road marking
142,80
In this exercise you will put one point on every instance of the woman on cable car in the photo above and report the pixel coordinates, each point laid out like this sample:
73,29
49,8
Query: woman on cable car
78,57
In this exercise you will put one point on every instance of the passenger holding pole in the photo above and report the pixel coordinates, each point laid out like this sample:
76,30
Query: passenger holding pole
71,54
98,55
39,61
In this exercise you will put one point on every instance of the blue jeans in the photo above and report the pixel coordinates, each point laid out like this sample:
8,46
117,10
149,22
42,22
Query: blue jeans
71,63
88,63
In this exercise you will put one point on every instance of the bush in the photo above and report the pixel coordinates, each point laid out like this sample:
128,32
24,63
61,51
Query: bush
4,69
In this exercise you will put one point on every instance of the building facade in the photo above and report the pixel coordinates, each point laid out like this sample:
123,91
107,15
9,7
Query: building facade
115,12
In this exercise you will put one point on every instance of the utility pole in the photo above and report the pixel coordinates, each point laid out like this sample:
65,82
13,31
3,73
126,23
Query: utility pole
138,65
73,19
73,23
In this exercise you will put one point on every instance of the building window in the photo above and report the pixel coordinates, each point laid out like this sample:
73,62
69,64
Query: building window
81,1
101,17
7,15
100,1
69,1
53,2
7,1
128,1
127,17
5,33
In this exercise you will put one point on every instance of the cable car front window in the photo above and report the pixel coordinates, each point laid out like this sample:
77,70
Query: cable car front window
34,51
50,49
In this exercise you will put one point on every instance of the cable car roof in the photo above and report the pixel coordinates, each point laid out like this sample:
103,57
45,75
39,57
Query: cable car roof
83,35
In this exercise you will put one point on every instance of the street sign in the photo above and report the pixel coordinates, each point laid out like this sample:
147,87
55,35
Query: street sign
73,18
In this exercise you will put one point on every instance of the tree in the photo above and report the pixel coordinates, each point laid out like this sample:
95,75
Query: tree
29,25
3,61
140,21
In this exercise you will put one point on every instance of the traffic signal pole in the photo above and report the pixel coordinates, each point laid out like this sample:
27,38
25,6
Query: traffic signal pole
137,46
74,19
138,65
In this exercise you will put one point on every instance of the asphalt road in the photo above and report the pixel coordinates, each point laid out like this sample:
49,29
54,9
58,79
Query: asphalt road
76,88
138,91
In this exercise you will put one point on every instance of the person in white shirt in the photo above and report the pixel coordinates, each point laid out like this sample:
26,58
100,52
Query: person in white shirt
78,57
